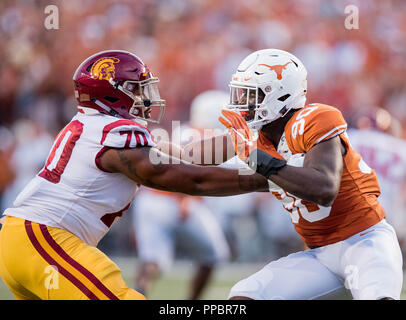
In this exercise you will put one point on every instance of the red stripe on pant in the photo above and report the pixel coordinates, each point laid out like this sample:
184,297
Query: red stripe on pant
92,278
51,261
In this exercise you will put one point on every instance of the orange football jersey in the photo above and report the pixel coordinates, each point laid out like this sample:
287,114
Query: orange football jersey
356,207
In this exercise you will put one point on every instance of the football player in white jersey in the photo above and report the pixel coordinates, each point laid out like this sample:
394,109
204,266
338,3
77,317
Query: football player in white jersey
376,137
95,166
164,220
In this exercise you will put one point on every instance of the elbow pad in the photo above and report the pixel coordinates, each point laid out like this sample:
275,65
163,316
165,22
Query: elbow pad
264,164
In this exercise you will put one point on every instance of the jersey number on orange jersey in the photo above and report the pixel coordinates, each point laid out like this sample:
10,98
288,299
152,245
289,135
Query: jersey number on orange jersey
299,125
300,208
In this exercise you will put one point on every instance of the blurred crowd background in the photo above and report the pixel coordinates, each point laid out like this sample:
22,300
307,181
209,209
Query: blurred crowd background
192,46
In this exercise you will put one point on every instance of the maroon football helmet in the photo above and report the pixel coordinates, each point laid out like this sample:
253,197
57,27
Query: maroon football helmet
118,83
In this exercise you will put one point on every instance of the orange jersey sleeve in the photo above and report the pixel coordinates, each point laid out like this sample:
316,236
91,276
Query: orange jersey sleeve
313,124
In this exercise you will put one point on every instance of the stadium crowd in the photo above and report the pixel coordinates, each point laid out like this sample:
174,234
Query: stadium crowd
193,46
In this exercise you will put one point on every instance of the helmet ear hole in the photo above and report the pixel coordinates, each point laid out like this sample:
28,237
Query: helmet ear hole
111,99
284,97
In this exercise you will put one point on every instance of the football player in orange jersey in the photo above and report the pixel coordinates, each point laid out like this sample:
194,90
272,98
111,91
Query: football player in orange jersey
329,191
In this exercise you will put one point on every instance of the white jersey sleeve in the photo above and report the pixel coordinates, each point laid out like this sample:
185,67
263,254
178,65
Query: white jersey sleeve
72,191
126,134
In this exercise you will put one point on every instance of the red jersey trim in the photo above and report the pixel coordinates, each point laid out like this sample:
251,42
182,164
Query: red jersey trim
97,160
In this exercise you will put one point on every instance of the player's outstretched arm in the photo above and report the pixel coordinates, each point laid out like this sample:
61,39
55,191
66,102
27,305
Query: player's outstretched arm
210,151
219,149
179,176
319,179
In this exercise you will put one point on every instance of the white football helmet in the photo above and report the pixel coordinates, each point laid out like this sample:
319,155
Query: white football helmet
277,81
206,108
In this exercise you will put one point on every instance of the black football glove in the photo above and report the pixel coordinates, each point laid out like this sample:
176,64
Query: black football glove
264,164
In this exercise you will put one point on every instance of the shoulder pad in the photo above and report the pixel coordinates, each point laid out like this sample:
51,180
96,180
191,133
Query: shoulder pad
313,124
126,134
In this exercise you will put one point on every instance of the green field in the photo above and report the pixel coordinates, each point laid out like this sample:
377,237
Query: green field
174,284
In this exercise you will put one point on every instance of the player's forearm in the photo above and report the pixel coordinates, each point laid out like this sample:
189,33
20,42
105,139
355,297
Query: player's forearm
214,181
170,148
208,152
154,169
307,183
205,181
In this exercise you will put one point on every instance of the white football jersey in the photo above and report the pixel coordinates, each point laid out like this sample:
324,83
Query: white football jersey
72,191
387,156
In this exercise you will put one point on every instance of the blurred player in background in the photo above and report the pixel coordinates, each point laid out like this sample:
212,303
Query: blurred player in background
96,164
204,113
329,191
31,147
163,221
7,174
275,227
376,136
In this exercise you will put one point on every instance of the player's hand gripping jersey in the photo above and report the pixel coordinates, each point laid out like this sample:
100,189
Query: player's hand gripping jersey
72,191
356,207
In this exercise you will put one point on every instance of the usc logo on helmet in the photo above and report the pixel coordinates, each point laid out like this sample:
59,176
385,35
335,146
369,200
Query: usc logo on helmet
104,69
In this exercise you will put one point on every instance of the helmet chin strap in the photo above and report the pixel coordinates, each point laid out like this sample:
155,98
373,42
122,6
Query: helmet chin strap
116,84
282,112
115,114
258,124
107,108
